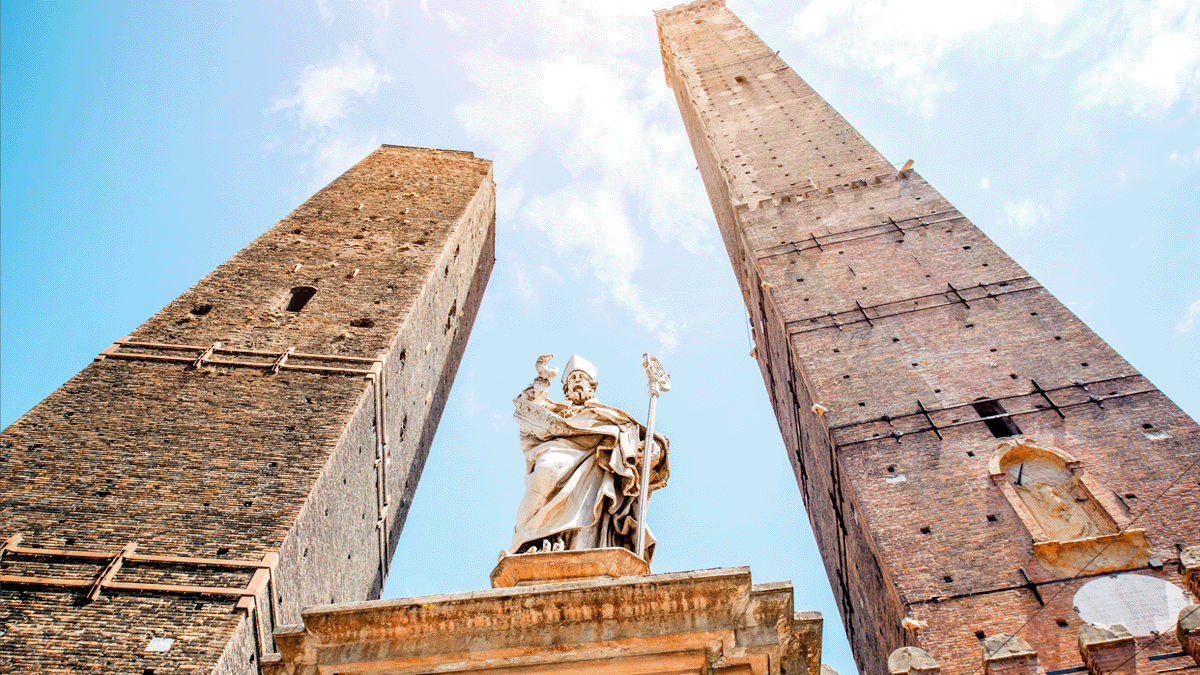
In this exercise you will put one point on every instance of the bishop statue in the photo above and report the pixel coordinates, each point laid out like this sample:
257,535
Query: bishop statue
583,462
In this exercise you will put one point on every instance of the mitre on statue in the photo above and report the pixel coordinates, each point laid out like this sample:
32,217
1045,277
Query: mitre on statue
577,362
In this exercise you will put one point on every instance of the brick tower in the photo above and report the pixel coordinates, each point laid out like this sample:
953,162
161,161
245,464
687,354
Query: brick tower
971,455
254,447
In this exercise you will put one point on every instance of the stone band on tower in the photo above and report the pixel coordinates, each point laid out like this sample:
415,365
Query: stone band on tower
917,372
253,448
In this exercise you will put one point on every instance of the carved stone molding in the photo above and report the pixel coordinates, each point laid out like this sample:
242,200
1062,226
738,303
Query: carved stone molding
709,621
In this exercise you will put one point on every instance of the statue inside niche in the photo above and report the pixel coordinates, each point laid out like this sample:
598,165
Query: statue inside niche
1060,504
583,464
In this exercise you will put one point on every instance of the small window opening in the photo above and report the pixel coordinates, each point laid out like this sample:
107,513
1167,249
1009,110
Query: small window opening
1058,337
925,530
201,310
1062,623
1001,427
1130,495
247,504
948,579
1147,425
222,551
970,453
991,518
862,404
980,634
300,297
895,339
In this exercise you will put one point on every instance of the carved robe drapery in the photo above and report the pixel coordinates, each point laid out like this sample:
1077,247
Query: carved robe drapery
581,482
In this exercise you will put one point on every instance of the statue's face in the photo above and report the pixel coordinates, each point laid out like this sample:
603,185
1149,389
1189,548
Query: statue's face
579,387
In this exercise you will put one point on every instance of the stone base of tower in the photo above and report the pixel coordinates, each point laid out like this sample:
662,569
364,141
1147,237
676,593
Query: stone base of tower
709,621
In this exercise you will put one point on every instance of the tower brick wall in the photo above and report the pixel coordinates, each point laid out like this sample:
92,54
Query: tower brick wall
228,428
872,298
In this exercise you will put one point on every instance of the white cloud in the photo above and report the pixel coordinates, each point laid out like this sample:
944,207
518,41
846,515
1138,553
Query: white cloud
1188,320
325,10
338,154
1141,56
453,21
324,91
1152,61
1025,214
592,109
984,182
1186,158
904,46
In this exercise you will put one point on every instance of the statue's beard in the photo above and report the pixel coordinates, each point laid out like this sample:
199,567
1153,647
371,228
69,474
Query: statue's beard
578,394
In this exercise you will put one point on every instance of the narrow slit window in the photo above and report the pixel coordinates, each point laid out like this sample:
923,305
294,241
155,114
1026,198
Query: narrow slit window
299,297
999,424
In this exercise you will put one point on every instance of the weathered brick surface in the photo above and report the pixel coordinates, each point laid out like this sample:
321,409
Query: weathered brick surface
233,462
873,297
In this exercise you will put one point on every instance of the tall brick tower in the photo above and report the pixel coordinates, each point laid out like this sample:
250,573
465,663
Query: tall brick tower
971,455
252,448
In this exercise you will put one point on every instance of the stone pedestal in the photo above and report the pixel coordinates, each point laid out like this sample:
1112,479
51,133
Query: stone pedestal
1107,651
532,569
710,621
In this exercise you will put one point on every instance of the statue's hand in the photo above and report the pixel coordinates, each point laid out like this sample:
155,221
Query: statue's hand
543,372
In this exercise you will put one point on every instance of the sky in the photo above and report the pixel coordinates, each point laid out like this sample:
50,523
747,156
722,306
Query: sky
142,144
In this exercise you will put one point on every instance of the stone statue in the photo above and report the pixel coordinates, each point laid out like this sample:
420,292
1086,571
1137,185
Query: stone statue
582,461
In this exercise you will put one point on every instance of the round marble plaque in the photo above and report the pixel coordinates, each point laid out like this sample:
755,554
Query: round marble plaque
1144,605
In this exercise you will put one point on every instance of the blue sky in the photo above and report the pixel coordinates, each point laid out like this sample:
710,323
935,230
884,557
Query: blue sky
144,143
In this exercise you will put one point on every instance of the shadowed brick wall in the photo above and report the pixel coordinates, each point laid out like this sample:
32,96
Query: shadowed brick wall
871,295
297,439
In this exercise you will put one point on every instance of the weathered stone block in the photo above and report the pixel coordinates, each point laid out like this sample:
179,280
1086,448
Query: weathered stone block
1107,650
531,569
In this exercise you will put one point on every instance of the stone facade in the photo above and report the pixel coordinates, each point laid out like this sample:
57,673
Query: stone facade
900,347
713,622
240,456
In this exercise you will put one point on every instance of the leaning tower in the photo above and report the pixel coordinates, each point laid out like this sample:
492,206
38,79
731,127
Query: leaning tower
992,486
253,448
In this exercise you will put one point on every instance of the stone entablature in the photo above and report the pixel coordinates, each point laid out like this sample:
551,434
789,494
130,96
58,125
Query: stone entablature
708,621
